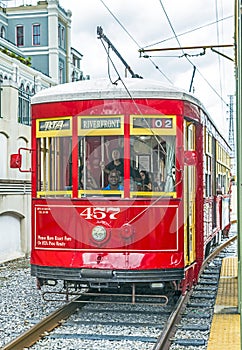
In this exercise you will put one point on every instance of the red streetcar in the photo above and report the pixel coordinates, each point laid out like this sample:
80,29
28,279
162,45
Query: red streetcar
158,235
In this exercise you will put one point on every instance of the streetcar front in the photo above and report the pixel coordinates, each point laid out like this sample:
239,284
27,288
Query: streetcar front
88,232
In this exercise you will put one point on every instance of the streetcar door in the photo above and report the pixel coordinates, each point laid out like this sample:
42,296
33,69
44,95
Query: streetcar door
189,195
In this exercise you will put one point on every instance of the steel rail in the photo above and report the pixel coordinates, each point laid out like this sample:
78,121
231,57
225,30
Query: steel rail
216,252
56,318
163,342
41,329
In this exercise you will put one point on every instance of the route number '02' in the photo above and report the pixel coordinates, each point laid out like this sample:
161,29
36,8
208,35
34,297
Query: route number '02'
100,213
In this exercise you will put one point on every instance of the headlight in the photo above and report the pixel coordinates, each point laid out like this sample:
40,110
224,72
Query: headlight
99,233
127,231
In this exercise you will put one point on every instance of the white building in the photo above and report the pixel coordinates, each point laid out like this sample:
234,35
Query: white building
35,53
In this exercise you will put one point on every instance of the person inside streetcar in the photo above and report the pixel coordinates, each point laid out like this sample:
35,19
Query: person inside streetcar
113,181
145,181
116,163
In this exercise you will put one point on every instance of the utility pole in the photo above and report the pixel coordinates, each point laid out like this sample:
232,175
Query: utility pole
238,71
204,47
231,134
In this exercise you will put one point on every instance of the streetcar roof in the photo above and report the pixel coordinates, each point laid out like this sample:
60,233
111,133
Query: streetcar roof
103,89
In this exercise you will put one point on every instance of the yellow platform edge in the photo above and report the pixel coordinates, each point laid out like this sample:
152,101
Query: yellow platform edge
225,329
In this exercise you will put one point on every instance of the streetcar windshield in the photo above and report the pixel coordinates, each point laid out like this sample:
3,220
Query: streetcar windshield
98,155
154,157
103,161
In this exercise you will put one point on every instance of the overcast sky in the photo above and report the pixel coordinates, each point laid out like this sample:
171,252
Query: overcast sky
134,24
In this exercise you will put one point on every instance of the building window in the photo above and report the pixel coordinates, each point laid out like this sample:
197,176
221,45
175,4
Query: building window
3,32
24,106
61,72
76,62
61,36
36,34
59,30
20,35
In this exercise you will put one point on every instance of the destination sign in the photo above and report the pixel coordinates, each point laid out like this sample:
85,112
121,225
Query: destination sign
153,123
50,125
103,123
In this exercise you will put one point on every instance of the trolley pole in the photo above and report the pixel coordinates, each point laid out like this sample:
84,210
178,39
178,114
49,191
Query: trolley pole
238,72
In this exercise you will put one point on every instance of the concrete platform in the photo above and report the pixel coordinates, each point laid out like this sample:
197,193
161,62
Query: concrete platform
225,330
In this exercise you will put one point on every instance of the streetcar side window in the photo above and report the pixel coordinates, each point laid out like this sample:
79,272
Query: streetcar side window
54,159
208,160
152,149
222,171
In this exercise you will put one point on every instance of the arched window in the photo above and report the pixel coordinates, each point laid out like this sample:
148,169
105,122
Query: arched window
24,105
3,32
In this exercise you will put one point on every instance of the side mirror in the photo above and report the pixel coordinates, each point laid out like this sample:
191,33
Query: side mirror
15,161
190,158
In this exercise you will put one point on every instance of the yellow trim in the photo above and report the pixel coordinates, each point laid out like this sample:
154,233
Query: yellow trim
103,131
53,133
81,193
53,193
189,197
153,131
49,158
153,194
43,162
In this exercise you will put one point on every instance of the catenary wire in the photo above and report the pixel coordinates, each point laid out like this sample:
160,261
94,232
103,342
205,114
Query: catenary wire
221,98
176,36
132,38
188,32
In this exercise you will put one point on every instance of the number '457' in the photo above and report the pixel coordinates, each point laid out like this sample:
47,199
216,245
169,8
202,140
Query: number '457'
100,213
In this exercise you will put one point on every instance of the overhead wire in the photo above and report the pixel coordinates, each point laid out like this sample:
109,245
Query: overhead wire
171,26
176,37
128,92
188,31
148,126
219,57
131,97
132,38
185,55
168,19
218,39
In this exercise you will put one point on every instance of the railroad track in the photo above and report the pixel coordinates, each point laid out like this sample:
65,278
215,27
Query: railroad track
193,320
46,325
145,326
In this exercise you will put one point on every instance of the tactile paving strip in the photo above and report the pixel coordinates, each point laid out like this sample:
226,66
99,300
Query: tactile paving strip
225,330
225,333
227,295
